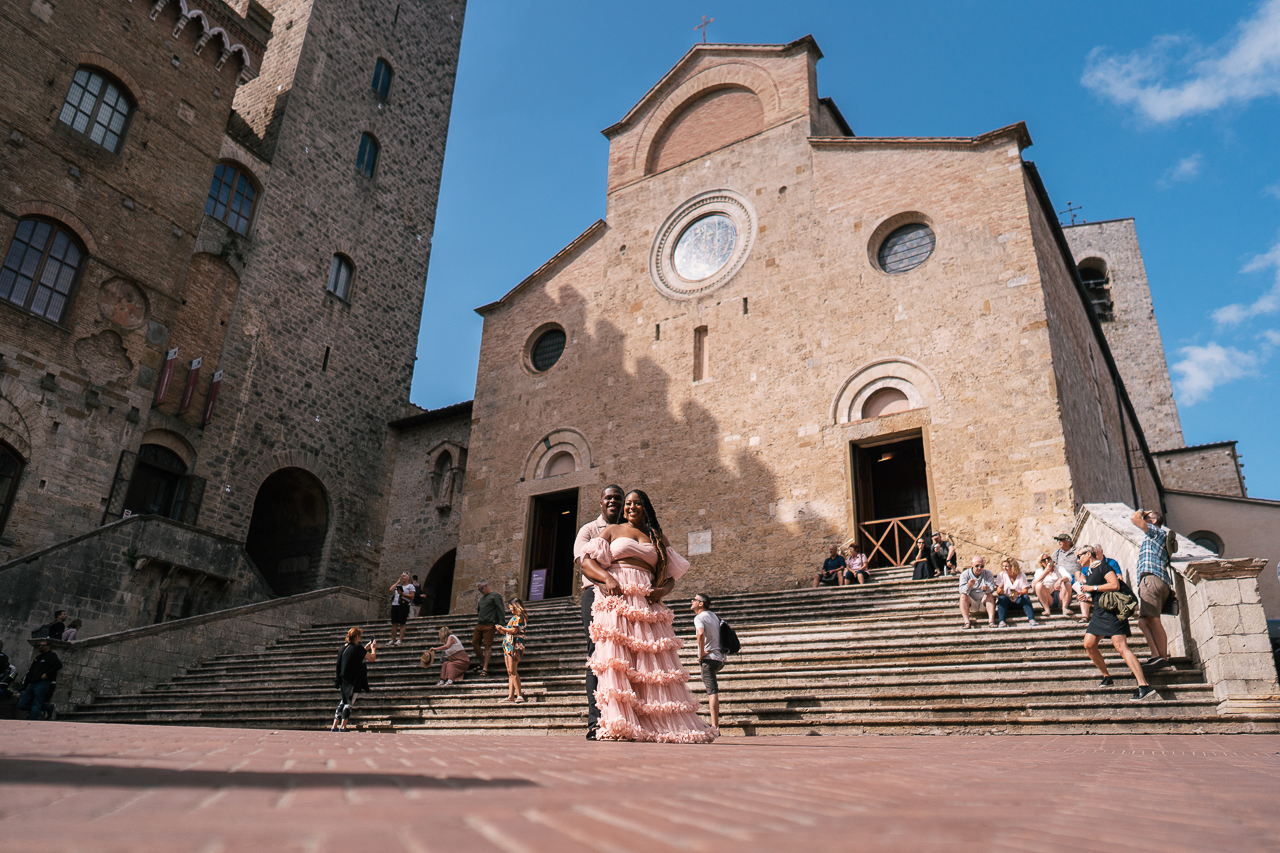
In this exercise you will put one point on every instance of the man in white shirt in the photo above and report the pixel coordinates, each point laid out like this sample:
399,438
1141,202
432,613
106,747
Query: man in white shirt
978,587
610,513
1052,586
710,655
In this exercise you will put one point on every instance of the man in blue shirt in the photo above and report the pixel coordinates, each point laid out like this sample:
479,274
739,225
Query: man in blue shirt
1155,580
829,574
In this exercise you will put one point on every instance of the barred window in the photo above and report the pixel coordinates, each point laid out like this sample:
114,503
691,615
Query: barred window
98,108
10,473
40,268
382,79
906,248
547,350
231,197
340,273
367,159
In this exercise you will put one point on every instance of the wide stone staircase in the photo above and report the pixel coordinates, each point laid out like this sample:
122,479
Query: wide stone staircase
888,657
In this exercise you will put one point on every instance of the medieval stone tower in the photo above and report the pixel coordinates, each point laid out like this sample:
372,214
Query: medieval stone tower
216,222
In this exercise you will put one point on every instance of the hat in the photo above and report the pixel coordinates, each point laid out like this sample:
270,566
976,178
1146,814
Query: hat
1064,537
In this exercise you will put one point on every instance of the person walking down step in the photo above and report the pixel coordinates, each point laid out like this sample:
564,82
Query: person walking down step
352,676
1014,590
513,648
710,655
401,594
977,587
455,659
41,680
1101,577
596,583
488,615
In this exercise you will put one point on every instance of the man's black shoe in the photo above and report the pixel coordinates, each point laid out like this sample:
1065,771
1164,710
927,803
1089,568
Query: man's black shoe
591,734
1106,682
1156,663
1144,693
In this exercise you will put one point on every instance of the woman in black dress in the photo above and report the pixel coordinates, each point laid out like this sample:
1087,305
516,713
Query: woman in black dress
352,676
1104,577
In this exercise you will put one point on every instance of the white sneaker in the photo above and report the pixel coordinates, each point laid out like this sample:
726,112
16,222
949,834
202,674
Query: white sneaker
396,643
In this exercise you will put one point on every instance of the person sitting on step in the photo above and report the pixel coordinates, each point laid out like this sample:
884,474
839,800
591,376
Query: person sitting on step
978,587
1052,586
829,574
1014,589
456,659
855,570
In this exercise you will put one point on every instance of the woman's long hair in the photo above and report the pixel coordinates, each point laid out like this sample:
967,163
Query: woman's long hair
518,609
1014,568
354,635
444,634
655,533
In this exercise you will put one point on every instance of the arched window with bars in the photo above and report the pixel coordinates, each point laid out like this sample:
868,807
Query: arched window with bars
232,196
367,158
341,271
97,107
41,267
382,75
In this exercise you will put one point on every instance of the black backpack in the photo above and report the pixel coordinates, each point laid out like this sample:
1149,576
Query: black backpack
729,639
42,631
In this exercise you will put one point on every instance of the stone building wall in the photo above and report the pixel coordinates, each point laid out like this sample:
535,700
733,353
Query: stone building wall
1210,468
312,380
77,392
424,510
749,466
1134,334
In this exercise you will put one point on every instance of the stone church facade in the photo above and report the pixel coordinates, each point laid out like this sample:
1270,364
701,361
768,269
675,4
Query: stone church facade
789,336
216,219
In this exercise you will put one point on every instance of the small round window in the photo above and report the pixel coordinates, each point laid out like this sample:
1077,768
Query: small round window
547,350
906,248
705,247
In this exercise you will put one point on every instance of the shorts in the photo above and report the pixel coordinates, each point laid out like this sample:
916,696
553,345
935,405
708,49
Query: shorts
851,577
1152,592
483,636
834,580
399,614
977,596
709,667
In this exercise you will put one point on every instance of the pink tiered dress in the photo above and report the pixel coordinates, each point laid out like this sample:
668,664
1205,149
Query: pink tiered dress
643,692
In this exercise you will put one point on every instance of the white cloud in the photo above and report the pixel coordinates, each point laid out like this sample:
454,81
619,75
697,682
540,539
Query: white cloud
1186,169
1204,368
1271,336
1273,190
1241,68
1267,303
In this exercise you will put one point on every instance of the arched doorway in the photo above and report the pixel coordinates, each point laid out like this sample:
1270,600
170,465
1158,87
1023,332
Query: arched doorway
157,476
287,533
437,588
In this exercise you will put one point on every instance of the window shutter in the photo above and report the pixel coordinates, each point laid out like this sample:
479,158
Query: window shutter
120,486
190,496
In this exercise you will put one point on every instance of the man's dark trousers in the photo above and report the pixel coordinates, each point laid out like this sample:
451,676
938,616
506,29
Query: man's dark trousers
593,713
36,696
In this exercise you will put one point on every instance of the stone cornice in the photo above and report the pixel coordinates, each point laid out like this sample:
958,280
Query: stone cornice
1216,569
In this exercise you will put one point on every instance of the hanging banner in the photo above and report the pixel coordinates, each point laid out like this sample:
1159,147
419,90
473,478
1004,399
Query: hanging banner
193,375
213,397
166,373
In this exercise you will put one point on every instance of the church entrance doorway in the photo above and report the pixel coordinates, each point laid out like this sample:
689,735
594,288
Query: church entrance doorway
554,527
437,586
891,493
288,530
157,475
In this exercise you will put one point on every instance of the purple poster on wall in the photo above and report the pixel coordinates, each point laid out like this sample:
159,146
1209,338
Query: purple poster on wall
538,585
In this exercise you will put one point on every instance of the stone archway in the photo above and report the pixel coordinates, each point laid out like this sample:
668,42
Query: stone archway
437,586
287,533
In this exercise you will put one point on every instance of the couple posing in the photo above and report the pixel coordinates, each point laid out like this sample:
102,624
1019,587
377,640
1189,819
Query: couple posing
636,687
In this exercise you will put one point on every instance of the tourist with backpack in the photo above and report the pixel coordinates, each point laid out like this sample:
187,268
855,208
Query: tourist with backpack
710,652
352,675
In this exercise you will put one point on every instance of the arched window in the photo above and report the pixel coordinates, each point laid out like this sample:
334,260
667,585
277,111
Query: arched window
97,107
232,196
340,274
1097,282
444,462
40,268
886,401
10,472
382,75
367,159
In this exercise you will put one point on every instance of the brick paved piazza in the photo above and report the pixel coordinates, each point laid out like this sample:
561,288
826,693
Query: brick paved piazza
85,787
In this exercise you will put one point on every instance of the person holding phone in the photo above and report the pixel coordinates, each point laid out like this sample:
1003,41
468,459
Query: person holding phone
978,587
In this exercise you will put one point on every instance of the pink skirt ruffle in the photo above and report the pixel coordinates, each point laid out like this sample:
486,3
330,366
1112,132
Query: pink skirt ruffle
642,692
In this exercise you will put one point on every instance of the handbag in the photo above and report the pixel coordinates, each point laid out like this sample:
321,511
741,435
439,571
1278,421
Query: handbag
1171,606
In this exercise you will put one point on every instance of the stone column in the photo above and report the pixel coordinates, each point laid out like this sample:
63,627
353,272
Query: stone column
1228,634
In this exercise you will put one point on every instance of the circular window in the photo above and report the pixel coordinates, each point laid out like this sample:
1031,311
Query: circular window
1208,540
906,248
702,244
705,247
547,349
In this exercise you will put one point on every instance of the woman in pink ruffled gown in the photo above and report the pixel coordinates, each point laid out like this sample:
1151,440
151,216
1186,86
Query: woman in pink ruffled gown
643,693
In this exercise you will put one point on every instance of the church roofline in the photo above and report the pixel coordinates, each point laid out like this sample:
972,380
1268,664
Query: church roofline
595,228
1099,221
1191,448
457,410
807,41
1018,130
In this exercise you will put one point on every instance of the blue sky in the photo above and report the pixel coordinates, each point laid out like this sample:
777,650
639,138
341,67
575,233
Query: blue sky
1166,112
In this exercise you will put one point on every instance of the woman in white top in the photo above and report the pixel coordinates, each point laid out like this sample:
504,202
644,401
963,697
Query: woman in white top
1013,589
456,659
1052,586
